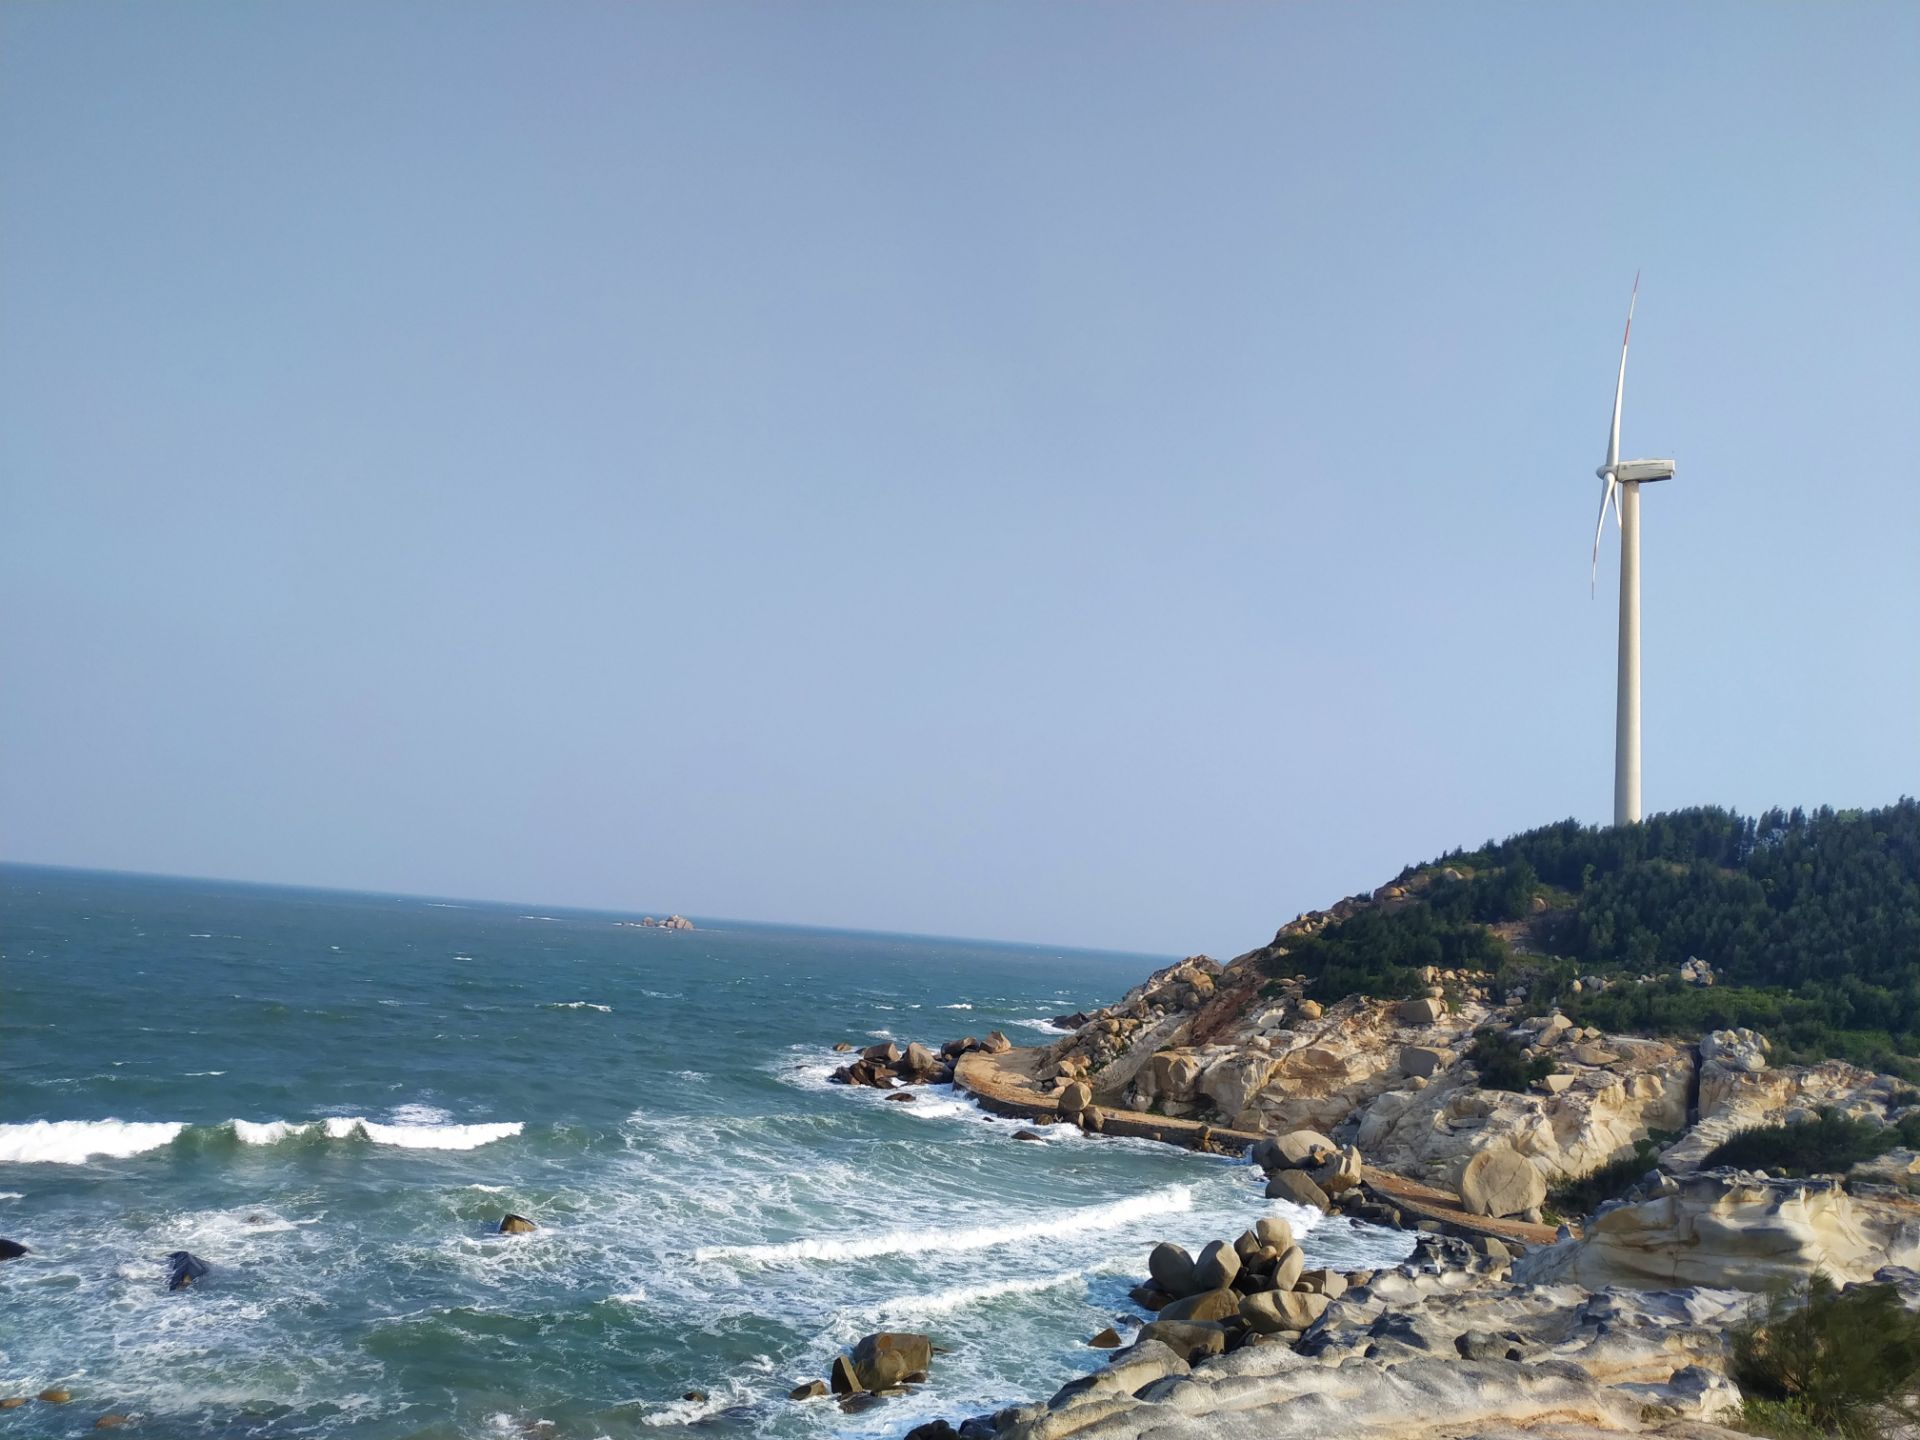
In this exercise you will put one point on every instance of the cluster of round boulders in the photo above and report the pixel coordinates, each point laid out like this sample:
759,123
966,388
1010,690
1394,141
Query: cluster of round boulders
1307,1168
1258,1284
882,1364
885,1065
1075,1102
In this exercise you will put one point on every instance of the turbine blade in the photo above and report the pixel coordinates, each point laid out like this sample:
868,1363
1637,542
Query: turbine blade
1614,490
1620,385
1599,529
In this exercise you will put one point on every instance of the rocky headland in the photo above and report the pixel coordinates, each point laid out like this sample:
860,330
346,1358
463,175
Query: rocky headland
1469,1112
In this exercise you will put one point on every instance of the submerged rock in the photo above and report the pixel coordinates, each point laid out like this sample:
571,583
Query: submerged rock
183,1269
56,1396
812,1390
11,1249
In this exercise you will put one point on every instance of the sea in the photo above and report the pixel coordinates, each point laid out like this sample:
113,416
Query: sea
333,1099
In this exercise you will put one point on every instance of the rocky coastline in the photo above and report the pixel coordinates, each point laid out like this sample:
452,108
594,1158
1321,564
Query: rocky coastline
1510,1317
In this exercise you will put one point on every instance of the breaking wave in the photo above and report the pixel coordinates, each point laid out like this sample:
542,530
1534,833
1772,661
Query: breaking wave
1168,1200
75,1142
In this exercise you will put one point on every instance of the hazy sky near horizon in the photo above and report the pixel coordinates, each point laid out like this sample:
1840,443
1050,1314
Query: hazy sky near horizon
1109,475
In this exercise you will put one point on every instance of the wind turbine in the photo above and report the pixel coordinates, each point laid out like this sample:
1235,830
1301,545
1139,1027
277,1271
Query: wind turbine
1620,482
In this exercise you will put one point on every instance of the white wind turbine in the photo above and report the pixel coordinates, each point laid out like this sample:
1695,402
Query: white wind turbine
1620,483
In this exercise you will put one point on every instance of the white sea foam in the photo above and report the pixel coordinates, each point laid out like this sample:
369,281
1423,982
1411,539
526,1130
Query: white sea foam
11,1195
1041,1023
414,1113
961,1006
1168,1200
438,1137
265,1132
202,1074
578,1005
74,1142
958,1298
490,1189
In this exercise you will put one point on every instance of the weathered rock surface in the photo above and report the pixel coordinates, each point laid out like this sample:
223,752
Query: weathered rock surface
1733,1230
517,1225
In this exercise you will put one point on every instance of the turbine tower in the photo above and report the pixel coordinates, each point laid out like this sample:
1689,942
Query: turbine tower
1620,482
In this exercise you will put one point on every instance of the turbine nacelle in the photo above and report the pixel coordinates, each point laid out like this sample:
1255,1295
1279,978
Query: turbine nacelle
1639,472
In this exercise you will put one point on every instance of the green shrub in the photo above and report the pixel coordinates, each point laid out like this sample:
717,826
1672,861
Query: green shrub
1612,1180
1831,1145
1503,1064
1827,1362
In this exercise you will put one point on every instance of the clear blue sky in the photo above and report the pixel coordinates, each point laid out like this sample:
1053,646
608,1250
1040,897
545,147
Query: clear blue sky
1107,474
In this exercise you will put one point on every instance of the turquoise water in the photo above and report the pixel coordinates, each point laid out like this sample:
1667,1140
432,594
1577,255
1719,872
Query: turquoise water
333,1098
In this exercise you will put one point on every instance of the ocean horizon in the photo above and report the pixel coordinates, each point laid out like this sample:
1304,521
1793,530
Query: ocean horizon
333,1098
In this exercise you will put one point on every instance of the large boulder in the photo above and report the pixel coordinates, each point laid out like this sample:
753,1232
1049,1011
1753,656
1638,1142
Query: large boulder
1292,1151
889,1356
1275,1231
1172,1270
1499,1182
1191,1340
887,1053
1075,1098
1272,1311
1340,1173
517,1225
1216,1267
1423,1060
1207,1305
918,1061
1288,1269
1297,1186
1421,1012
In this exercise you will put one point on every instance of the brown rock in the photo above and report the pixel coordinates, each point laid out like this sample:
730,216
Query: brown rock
1207,1305
812,1390
1297,1186
1420,1012
1500,1181
1272,1311
1075,1098
56,1396
111,1422
889,1356
517,1225
842,1378
1107,1339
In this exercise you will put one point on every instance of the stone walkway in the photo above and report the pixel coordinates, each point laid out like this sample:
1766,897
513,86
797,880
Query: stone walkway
1008,1084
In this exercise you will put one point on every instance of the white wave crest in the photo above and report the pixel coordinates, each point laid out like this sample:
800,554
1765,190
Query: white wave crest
961,1006
74,1142
942,1301
578,1005
12,1195
1169,1200
265,1132
422,1137
1039,1022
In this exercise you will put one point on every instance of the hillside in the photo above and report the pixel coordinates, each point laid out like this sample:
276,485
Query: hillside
1808,924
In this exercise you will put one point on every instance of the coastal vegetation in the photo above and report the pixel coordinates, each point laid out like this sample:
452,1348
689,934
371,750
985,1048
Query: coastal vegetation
1825,1362
1830,1144
1804,925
